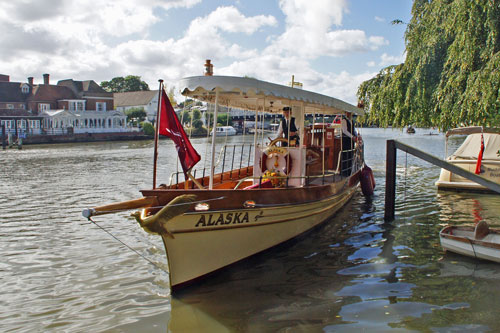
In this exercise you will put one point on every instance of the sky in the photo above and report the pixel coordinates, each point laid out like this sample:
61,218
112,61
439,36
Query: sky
331,46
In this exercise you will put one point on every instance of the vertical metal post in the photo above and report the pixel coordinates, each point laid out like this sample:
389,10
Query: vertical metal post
390,181
214,135
232,163
4,142
223,163
249,155
241,159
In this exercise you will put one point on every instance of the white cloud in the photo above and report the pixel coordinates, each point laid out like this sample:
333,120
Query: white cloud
275,69
229,19
379,19
309,31
386,60
107,38
316,15
343,85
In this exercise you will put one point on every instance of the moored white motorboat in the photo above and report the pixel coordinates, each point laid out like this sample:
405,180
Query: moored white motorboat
477,242
212,221
466,157
224,131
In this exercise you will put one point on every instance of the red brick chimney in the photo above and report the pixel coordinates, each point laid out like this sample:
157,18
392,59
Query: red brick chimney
30,80
4,78
46,78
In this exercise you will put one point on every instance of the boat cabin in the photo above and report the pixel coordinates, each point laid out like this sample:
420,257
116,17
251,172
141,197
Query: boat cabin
325,153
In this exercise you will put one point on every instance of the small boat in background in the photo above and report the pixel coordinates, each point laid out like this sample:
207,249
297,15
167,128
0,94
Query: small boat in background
410,130
479,153
477,242
224,130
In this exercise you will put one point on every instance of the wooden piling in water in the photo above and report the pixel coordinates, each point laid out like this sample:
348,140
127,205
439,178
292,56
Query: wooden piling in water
390,181
390,173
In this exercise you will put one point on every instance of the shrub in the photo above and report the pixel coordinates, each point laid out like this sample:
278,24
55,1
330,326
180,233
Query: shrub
148,128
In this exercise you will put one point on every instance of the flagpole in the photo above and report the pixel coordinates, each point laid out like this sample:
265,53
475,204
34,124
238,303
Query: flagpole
157,130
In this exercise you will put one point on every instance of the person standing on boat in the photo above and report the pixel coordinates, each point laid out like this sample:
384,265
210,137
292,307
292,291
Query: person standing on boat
287,128
348,139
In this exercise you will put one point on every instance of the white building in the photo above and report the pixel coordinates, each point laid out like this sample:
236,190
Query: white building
147,100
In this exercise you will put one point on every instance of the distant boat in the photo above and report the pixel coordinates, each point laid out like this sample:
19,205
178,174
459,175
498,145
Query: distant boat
466,157
225,130
410,130
478,242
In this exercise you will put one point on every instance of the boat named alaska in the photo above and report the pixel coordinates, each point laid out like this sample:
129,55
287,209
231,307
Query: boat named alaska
227,214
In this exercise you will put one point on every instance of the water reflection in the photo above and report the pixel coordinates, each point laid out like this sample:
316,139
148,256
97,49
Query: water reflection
355,272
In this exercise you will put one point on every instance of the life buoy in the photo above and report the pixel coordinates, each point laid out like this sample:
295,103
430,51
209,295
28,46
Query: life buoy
283,160
281,167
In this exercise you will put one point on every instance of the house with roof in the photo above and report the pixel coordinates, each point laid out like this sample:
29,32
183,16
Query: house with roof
14,113
146,100
70,107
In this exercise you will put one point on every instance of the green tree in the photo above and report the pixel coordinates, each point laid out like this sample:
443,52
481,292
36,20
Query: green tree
171,95
224,119
136,115
197,123
451,73
186,117
198,128
125,84
196,114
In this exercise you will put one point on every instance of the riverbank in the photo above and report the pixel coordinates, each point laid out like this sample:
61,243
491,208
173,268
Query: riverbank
85,137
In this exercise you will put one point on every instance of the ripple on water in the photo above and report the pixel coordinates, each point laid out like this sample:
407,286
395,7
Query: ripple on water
357,272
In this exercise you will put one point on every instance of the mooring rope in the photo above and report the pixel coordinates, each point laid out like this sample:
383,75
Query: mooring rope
472,245
132,249
126,245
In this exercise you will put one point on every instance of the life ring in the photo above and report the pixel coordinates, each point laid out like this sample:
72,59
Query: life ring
277,152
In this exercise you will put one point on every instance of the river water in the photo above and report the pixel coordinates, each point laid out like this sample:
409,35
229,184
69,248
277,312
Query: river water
61,273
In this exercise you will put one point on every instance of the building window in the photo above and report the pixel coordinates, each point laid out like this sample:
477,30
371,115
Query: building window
100,106
25,89
77,105
10,106
43,107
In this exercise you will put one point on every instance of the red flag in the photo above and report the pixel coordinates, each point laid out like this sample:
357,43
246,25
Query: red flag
480,157
171,126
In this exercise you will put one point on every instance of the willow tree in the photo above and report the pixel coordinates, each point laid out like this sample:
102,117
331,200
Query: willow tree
451,75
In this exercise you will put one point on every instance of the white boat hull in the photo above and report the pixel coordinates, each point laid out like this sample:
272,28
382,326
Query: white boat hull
451,181
461,240
479,141
199,248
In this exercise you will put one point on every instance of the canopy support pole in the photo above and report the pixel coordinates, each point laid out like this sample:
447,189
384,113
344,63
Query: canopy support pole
214,135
